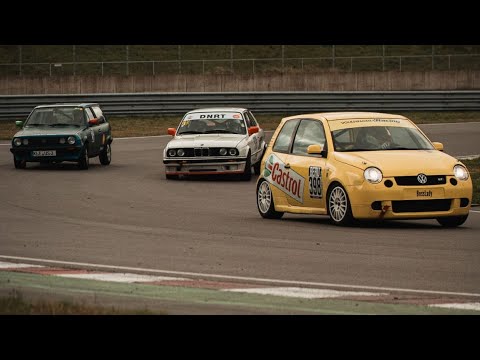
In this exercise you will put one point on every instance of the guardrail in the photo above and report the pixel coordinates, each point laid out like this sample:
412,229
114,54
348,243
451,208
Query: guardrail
14,106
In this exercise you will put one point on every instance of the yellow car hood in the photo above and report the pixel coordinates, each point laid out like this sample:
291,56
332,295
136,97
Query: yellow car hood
401,162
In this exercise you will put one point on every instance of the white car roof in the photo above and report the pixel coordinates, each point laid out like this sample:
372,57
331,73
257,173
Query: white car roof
220,109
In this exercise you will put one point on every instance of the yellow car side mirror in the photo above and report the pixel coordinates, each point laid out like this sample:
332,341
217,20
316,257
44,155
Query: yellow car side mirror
438,146
315,149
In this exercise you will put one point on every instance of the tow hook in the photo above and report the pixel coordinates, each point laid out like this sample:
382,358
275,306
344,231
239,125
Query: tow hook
384,210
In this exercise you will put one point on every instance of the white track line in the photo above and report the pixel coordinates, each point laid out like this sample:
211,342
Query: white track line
462,306
124,278
243,278
304,292
7,265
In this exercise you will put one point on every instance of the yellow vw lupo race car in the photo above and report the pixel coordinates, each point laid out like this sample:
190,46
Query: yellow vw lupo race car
358,165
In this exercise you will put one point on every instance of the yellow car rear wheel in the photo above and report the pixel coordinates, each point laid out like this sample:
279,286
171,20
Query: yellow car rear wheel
265,204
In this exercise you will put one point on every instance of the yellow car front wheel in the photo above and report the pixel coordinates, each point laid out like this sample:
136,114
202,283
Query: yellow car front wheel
339,207
452,221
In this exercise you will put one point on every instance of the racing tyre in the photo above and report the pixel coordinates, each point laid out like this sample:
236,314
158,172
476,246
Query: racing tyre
339,208
265,204
256,167
247,174
171,177
106,155
19,164
452,221
84,160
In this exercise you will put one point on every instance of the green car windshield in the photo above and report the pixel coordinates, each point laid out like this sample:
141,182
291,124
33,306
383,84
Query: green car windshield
56,116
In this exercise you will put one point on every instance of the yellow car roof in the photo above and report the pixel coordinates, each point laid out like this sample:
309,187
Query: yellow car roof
332,116
340,120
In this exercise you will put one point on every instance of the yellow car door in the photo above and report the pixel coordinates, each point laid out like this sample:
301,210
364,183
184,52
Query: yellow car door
309,167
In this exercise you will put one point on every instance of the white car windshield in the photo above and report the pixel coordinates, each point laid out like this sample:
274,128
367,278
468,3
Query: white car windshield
212,126
371,138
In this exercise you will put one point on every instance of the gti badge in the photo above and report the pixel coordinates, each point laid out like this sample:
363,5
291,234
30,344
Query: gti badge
422,178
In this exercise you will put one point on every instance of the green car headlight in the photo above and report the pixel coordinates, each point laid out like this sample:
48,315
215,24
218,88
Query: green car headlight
17,142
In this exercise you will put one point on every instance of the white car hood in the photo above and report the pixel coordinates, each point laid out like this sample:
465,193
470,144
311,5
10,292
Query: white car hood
206,140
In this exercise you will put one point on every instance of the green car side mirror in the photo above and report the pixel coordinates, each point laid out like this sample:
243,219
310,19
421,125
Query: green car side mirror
19,123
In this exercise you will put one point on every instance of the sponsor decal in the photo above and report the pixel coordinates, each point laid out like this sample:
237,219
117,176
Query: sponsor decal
287,180
214,116
315,185
424,193
185,122
370,120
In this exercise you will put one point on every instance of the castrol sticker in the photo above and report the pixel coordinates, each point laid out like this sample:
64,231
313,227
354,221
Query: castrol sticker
287,180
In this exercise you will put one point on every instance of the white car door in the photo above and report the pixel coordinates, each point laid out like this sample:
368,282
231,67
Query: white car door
255,141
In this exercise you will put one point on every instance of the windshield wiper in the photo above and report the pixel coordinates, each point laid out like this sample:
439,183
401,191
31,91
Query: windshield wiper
63,124
402,148
190,132
219,131
352,150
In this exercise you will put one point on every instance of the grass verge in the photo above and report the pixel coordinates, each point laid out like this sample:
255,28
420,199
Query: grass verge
130,126
474,169
17,305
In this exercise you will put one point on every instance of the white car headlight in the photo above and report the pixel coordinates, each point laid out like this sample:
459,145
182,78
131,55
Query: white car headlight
180,152
223,151
460,172
373,175
232,152
17,141
71,140
172,152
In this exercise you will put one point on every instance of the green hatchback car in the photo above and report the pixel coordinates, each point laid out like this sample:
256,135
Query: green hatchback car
63,132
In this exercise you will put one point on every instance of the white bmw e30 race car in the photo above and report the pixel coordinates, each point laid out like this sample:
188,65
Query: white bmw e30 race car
213,141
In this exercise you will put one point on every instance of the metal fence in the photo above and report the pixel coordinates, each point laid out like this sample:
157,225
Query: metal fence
251,66
135,104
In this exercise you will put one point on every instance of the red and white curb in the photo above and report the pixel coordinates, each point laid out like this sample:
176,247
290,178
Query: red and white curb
295,292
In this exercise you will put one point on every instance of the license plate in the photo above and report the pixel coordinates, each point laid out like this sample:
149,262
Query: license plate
44,153
419,194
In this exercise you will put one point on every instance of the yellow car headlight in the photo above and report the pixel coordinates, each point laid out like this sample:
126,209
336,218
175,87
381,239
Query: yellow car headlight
460,172
373,175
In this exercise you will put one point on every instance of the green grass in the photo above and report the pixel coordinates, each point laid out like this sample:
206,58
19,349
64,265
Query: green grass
474,169
17,305
129,126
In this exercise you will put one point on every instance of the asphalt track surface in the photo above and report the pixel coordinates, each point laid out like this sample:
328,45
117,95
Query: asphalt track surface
127,214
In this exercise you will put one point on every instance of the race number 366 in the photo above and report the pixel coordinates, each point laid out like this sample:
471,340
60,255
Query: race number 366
315,182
